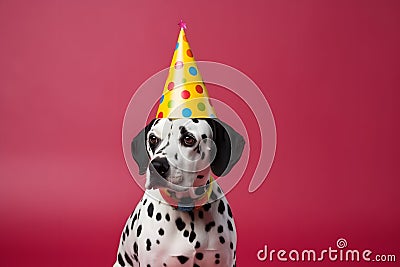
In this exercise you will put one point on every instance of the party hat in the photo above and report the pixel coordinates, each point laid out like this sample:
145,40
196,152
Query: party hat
184,95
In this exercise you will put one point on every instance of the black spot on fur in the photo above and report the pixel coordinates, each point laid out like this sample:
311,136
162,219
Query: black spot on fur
186,233
180,224
158,216
139,230
199,190
128,259
182,130
182,259
161,231
209,226
191,213
144,202
230,227
195,120
176,156
158,242
123,236
200,176
219,190
167,217
221,207
192,236
157,121
207,184
231,245
135,248
186,201
213,196
222,239
127,230
229,210
192,226
203,155
148,244
121,260
133,221
150,210
199,255
197,244
203,136
220,229
207,206
201,214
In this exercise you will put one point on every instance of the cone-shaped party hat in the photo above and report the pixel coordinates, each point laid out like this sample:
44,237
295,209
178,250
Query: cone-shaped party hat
184,95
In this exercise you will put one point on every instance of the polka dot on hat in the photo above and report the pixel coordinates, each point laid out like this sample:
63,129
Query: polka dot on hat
199,89
201,106
185,94
178,65
193,71
186,112
171,85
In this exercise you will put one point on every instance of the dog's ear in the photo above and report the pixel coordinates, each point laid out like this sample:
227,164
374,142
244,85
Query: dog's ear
138,149
229,145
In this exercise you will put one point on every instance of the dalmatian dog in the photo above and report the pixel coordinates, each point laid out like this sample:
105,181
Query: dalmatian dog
183,218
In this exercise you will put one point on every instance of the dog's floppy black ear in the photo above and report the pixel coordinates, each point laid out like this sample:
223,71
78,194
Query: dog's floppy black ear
229,146
138,149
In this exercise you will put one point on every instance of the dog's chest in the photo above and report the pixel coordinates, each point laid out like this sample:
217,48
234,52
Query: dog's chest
156,234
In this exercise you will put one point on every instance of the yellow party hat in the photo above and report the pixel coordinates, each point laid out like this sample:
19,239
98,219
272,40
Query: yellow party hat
184,95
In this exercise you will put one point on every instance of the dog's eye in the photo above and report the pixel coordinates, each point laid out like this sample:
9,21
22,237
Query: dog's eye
189,140
153,140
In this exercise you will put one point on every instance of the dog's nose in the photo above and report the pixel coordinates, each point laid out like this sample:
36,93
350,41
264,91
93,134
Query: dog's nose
161,165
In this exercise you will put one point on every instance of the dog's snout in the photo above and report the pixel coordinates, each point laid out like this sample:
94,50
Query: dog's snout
161,165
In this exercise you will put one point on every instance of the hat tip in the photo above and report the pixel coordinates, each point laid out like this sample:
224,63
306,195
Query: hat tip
182,24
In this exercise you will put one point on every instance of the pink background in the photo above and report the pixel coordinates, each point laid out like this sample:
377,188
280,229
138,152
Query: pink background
329,69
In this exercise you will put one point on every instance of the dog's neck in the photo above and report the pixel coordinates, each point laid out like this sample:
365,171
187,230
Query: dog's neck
194,198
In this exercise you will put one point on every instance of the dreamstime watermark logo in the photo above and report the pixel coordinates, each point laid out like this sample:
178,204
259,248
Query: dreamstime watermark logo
339,253
234,81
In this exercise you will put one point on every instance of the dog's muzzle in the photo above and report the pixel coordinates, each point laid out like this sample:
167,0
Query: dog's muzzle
159,170
159,177
160,165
